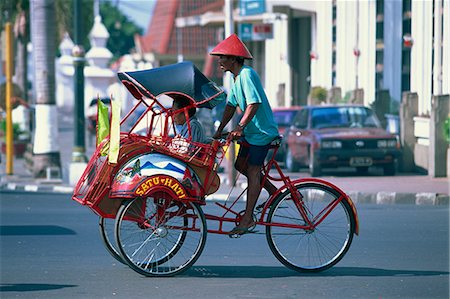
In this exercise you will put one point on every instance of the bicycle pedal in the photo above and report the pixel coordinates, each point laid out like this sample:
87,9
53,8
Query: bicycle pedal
234,236
238,235
260,207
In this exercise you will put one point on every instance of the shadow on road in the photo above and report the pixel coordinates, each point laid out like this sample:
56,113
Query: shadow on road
31,287
34,230
273,272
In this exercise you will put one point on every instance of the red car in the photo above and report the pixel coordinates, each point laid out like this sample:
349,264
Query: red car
340,136
284,117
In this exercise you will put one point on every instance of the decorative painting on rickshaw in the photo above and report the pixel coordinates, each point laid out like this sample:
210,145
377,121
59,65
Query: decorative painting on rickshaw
136,171
149,165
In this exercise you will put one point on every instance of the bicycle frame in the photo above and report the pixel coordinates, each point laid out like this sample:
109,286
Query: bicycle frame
289,185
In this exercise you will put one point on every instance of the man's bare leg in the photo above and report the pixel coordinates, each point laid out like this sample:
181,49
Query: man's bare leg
253,191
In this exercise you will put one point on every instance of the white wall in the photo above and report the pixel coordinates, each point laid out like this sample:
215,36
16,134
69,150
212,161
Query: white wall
322,39
367,44
96,83
446,49
277,69
345,42
421,52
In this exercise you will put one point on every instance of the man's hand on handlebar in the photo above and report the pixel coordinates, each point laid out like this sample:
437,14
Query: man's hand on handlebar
237,133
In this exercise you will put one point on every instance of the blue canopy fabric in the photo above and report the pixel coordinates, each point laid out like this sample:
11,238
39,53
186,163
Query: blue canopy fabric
183,77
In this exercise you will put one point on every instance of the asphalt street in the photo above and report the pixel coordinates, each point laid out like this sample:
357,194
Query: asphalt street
51,248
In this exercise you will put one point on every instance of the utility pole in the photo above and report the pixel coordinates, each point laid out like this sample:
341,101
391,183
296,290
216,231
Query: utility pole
8,97
78,53
437,65
356,50
229,30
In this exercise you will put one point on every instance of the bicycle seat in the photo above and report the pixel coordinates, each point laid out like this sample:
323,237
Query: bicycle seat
276,142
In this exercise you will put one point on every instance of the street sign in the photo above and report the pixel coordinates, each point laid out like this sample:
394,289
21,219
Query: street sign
245,31
262,31
252,7
255,32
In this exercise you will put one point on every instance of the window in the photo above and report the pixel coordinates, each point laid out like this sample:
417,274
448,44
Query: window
301,120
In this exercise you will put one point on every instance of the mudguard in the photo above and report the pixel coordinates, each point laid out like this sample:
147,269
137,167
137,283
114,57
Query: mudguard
132,180
319,181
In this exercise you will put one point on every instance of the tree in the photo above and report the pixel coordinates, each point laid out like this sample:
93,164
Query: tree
16,12
121,30
45,148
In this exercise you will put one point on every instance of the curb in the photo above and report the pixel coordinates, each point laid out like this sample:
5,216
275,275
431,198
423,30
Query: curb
357,197
399,198
14,187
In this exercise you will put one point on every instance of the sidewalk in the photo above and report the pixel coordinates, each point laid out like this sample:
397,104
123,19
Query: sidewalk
374,188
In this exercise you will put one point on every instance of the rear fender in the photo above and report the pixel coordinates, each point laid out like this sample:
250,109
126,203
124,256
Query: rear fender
325,183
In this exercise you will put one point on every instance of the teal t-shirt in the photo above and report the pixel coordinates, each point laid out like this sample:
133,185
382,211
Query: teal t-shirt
247,89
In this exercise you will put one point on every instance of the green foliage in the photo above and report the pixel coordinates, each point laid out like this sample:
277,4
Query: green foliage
121,30
65,21
447,130
10,9
318,93
16,129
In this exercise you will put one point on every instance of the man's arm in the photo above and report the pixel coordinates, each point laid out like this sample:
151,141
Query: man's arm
249,113
227,115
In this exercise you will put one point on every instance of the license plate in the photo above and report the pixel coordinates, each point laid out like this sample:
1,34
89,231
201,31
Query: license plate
360,161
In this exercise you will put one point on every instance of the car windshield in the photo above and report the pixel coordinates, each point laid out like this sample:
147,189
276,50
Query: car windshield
284,117
343,117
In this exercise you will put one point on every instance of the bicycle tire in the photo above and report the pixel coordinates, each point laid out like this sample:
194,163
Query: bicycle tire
106,228
159,235
314,250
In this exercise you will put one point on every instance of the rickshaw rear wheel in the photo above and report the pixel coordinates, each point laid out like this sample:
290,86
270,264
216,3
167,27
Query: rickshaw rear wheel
160,235
106,228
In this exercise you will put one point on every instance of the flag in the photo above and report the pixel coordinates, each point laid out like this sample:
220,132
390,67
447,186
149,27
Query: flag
102,121
114,137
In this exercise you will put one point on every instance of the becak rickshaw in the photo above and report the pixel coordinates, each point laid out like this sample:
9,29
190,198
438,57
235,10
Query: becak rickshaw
152,157
150,201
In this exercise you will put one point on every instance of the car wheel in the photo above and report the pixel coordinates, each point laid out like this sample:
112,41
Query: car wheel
389,169
314,165
290,162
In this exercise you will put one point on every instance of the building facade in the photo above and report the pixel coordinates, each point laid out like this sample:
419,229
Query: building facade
374,45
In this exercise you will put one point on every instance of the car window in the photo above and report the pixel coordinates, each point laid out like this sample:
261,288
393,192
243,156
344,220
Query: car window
284,118
301,120
343,117
362,117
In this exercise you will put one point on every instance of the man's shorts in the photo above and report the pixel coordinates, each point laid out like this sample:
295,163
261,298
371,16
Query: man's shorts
254,154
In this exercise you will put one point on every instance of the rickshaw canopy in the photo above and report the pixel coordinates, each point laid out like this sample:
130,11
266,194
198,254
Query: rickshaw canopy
183,77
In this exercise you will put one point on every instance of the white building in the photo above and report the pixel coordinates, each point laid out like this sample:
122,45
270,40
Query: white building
374,45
